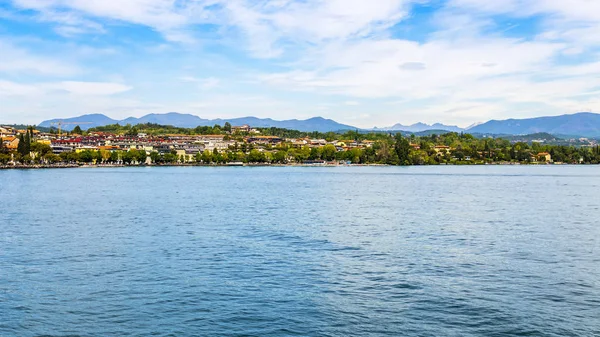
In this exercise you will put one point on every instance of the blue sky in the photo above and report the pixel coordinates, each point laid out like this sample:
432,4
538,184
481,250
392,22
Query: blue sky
361,62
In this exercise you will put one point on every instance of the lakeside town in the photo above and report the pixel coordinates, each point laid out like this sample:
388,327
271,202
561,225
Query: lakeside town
153,144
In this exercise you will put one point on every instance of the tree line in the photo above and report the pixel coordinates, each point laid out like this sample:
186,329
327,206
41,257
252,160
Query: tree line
387,149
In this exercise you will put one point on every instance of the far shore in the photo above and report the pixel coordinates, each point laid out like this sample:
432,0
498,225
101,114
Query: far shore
63,166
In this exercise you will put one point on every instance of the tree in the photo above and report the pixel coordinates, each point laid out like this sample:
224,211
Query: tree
73,157
115,157
3,149
170,158
487,149
22,147
268,157
458,153
329,152
132,132
77,130
4,158
280,157
383,153
86,156
392,159
141,156
355,155
207,157
40,149
402,149
105,155
133,155
227,127
51,158
155,157
256,156
237,156
520,152
303,154
223,157
315,153
28,142
127,157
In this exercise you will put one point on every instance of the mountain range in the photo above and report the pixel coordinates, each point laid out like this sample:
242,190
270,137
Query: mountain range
191,121
583,124
420,127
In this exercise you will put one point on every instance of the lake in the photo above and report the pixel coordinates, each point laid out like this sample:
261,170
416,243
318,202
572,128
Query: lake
306,251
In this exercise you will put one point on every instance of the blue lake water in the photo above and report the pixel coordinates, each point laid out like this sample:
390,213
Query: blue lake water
365,251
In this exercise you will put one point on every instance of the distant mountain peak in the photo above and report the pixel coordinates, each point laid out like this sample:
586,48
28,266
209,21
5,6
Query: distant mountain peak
420,127
473,125
582,124
191,121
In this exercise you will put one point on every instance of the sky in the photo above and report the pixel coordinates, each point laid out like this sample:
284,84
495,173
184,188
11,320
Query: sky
360,62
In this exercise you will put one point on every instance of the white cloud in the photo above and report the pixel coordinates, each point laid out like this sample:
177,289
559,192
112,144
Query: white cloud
270,26
579,10
90,88
191,79
575,21
327,51
55,88
210,83
8,88
203,83
168,17
376,68
467,68
17,60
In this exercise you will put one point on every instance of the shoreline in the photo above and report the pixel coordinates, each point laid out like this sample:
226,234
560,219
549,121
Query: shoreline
37,166
71,166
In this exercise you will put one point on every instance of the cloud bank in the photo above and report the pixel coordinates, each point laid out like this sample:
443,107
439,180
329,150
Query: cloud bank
361,62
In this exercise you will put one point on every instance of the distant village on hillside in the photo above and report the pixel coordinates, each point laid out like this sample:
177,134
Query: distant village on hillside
244,145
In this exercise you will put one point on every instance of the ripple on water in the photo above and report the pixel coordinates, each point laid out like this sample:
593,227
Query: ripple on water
452,251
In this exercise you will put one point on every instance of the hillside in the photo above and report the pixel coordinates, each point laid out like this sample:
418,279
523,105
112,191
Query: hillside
584,124
91,120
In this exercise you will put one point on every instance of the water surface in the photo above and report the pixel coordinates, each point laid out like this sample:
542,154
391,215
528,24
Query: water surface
370,251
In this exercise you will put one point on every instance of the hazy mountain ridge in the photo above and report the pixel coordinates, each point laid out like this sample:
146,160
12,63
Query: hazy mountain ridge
420,127
191,121
584,124
92,120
